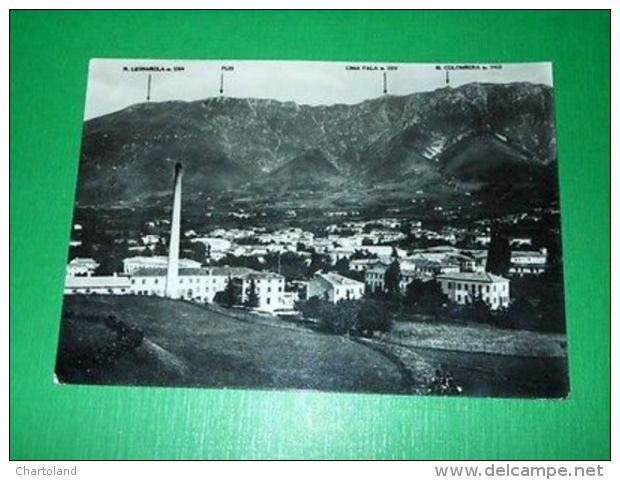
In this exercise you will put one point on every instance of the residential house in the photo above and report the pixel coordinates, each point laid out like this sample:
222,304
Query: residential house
81,267
334,287
528,262
464,287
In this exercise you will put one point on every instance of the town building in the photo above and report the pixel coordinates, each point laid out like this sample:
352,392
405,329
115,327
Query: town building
172,277
216,248
81,267
97,285
483,240
374,277
431,268
464,287
417,267
151,239
269,286
520,242
361,264
528,262
334,287
132,264
202,284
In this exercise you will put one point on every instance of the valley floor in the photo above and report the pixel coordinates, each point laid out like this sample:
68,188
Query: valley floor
190,345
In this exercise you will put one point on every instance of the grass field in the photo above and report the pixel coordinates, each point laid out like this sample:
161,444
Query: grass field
190,345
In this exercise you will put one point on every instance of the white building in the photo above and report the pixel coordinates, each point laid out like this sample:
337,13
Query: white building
417,268
431,268
374,277
521,242
528,262
463,287
217,248
81,267
361,264
270,289
97,285
202,284
483,240
151,239
334,287
384,252
132,264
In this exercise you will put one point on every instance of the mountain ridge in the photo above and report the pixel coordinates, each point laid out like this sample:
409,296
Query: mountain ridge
229,143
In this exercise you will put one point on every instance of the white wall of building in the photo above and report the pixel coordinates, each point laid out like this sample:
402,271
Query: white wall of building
496,294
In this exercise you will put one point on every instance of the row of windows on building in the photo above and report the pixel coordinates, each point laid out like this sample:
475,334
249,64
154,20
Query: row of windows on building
189,280
486,298
199,280
350,291
108,290
475,288
269,289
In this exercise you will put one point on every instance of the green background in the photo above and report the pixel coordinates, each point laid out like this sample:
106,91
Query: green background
49,60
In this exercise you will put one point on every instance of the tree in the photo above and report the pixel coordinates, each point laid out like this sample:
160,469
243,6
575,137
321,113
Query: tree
227,297
337,319
110,256
425,296
477,310
521,315
392,279
198,251
362,254
290,264
342,266
311,308
498,258
252,300
318,262
160,248
373,316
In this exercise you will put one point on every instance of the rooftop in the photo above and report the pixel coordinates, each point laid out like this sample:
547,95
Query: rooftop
530,253
336,279
481,277
208,271
97,282
83,261
160,260
161,272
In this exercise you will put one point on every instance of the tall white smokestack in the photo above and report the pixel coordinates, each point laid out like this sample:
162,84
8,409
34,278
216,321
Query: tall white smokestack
172,276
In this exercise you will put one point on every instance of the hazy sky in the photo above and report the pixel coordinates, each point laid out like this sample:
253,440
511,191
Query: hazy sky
114,84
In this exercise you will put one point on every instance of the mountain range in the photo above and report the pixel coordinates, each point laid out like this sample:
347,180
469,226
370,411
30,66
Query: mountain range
464,139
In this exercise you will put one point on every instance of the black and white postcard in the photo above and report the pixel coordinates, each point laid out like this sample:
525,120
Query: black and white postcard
332,226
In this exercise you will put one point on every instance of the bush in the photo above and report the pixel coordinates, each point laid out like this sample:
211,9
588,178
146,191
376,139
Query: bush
339,318
477,310
424,297
355,317
373,316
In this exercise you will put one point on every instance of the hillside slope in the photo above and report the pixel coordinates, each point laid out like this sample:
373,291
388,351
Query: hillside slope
227,143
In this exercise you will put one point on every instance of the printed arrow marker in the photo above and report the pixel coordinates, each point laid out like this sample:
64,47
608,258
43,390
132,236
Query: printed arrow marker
384,83
148,89
221,83
447,77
